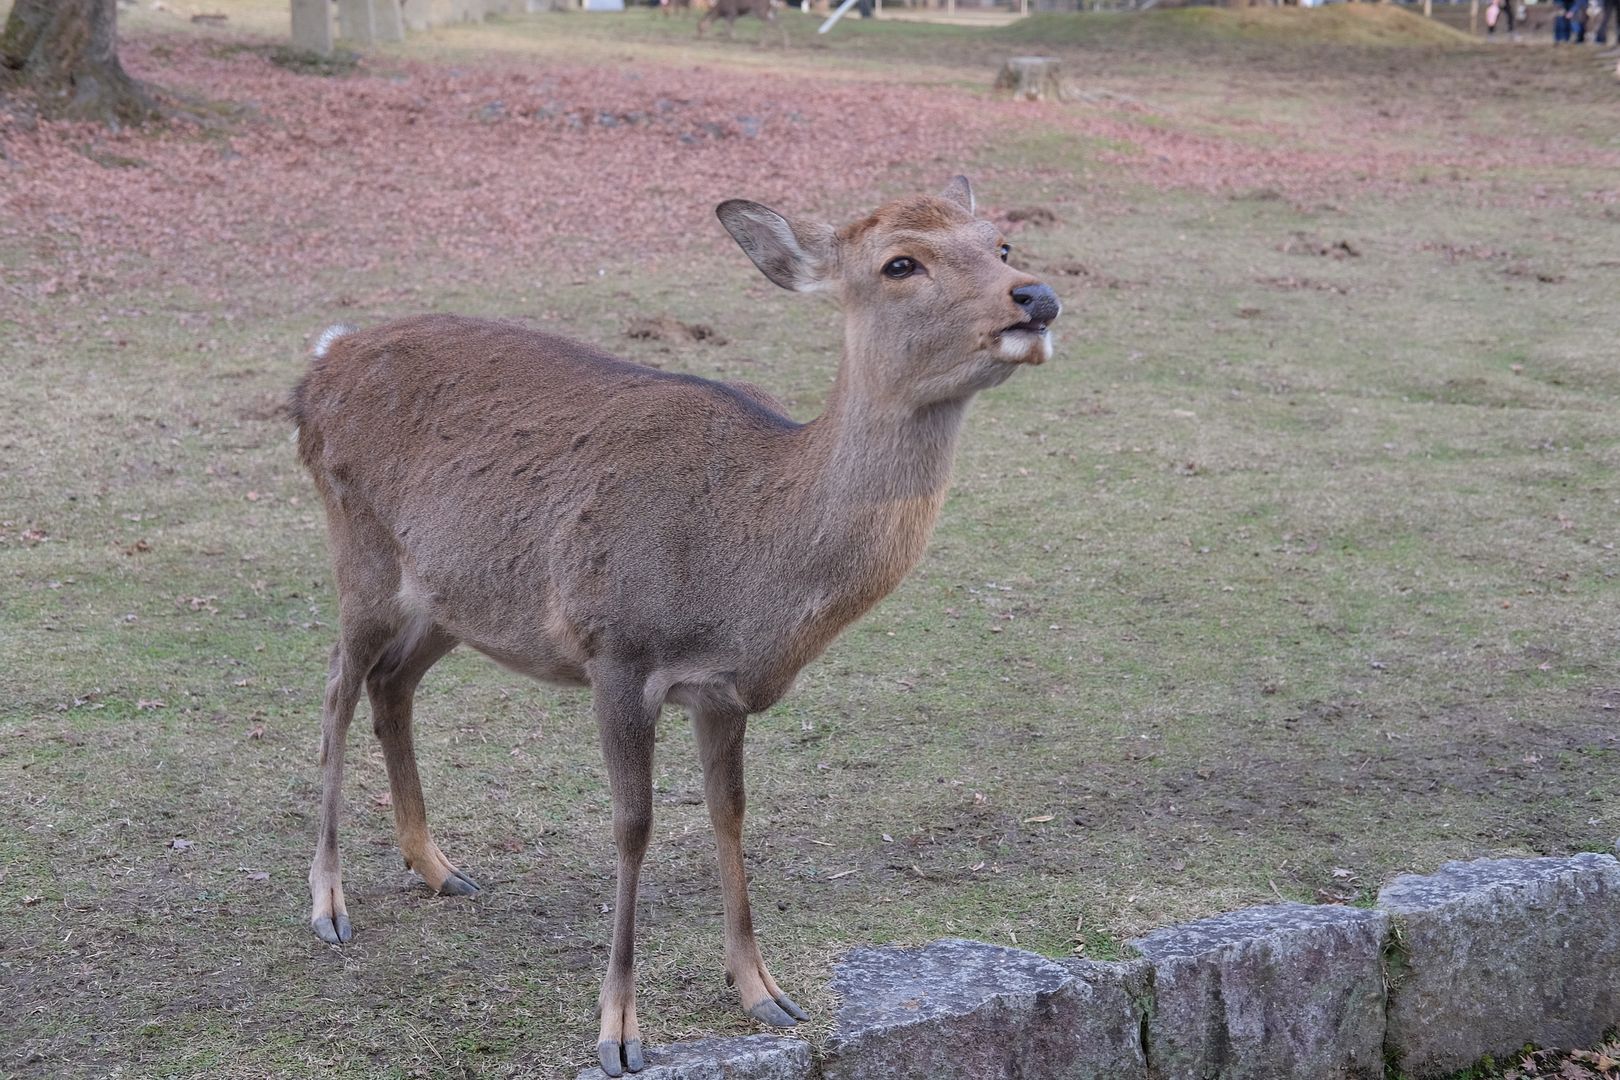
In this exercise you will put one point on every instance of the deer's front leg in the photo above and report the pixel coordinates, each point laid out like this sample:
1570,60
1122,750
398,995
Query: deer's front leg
627,728
720,740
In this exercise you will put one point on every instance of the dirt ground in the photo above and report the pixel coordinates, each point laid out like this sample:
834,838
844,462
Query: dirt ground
1294,570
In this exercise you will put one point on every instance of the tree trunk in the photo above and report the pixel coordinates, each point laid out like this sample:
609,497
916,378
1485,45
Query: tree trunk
66,53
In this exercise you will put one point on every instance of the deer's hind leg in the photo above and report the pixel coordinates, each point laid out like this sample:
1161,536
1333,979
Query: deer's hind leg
363,639
392,688
366,567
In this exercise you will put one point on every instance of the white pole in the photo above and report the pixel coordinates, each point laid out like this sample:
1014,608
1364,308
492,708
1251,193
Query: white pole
835,16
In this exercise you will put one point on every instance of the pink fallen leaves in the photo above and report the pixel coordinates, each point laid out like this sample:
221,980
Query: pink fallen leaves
557,173
565,169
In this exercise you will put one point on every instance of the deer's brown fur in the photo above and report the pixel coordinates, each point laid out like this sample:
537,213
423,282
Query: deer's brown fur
732,10
660,538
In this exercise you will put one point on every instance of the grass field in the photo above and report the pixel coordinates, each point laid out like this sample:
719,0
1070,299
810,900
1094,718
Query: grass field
1295,569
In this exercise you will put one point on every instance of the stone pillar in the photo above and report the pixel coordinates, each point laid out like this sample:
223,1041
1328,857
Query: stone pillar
964,1010
357,22
388,20
417,14
312,26
1497,953
1281,990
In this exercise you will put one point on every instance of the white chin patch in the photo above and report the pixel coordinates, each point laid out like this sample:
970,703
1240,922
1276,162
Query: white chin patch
1021,347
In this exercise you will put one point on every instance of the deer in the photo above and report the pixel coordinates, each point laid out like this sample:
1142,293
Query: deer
656,537
732,10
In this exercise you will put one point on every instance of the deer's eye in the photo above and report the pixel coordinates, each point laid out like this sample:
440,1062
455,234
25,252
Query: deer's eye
900,268
1004,251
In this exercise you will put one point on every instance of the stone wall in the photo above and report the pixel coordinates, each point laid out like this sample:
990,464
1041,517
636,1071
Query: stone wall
1480,958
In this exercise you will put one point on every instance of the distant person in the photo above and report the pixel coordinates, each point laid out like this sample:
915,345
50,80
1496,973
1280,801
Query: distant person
1611,9
1565,24
1494,13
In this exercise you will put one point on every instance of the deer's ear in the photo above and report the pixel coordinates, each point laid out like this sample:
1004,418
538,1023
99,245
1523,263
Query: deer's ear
960,192
796,255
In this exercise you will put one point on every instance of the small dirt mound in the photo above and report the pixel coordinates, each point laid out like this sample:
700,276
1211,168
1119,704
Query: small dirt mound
668,328
1037,216
1302,243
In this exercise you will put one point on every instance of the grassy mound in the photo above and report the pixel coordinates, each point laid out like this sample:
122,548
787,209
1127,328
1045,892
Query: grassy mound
1341,24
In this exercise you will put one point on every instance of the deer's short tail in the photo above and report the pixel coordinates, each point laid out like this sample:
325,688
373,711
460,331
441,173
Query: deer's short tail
328,337
297,400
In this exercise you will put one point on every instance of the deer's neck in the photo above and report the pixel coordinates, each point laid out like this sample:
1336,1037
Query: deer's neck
882,471
874,453
867,482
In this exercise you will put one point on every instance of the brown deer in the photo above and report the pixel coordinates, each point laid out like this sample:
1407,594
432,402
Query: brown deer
660,538
732,10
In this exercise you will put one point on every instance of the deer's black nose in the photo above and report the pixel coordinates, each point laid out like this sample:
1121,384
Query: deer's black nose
1039,302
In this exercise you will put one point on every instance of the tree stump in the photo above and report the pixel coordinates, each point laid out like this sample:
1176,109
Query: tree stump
1031,78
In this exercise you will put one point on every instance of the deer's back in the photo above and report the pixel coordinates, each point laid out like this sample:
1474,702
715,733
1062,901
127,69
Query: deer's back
530,484
443,389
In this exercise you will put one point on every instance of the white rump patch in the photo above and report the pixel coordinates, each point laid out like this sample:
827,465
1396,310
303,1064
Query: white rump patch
415,599
328,337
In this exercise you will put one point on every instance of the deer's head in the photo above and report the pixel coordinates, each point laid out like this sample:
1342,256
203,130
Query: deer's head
933,311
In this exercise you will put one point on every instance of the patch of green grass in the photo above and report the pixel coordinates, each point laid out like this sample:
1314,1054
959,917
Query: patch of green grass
1343,25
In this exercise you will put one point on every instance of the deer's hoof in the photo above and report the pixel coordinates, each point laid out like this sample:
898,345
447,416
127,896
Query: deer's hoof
773,1013
458,884
791,1007
617,1059
334,930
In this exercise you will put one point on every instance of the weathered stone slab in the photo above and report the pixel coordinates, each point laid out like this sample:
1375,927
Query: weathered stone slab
1492,954
748,1057
312,26
357,21
1267,992
416,14
388,20
1108,1005
964,1010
